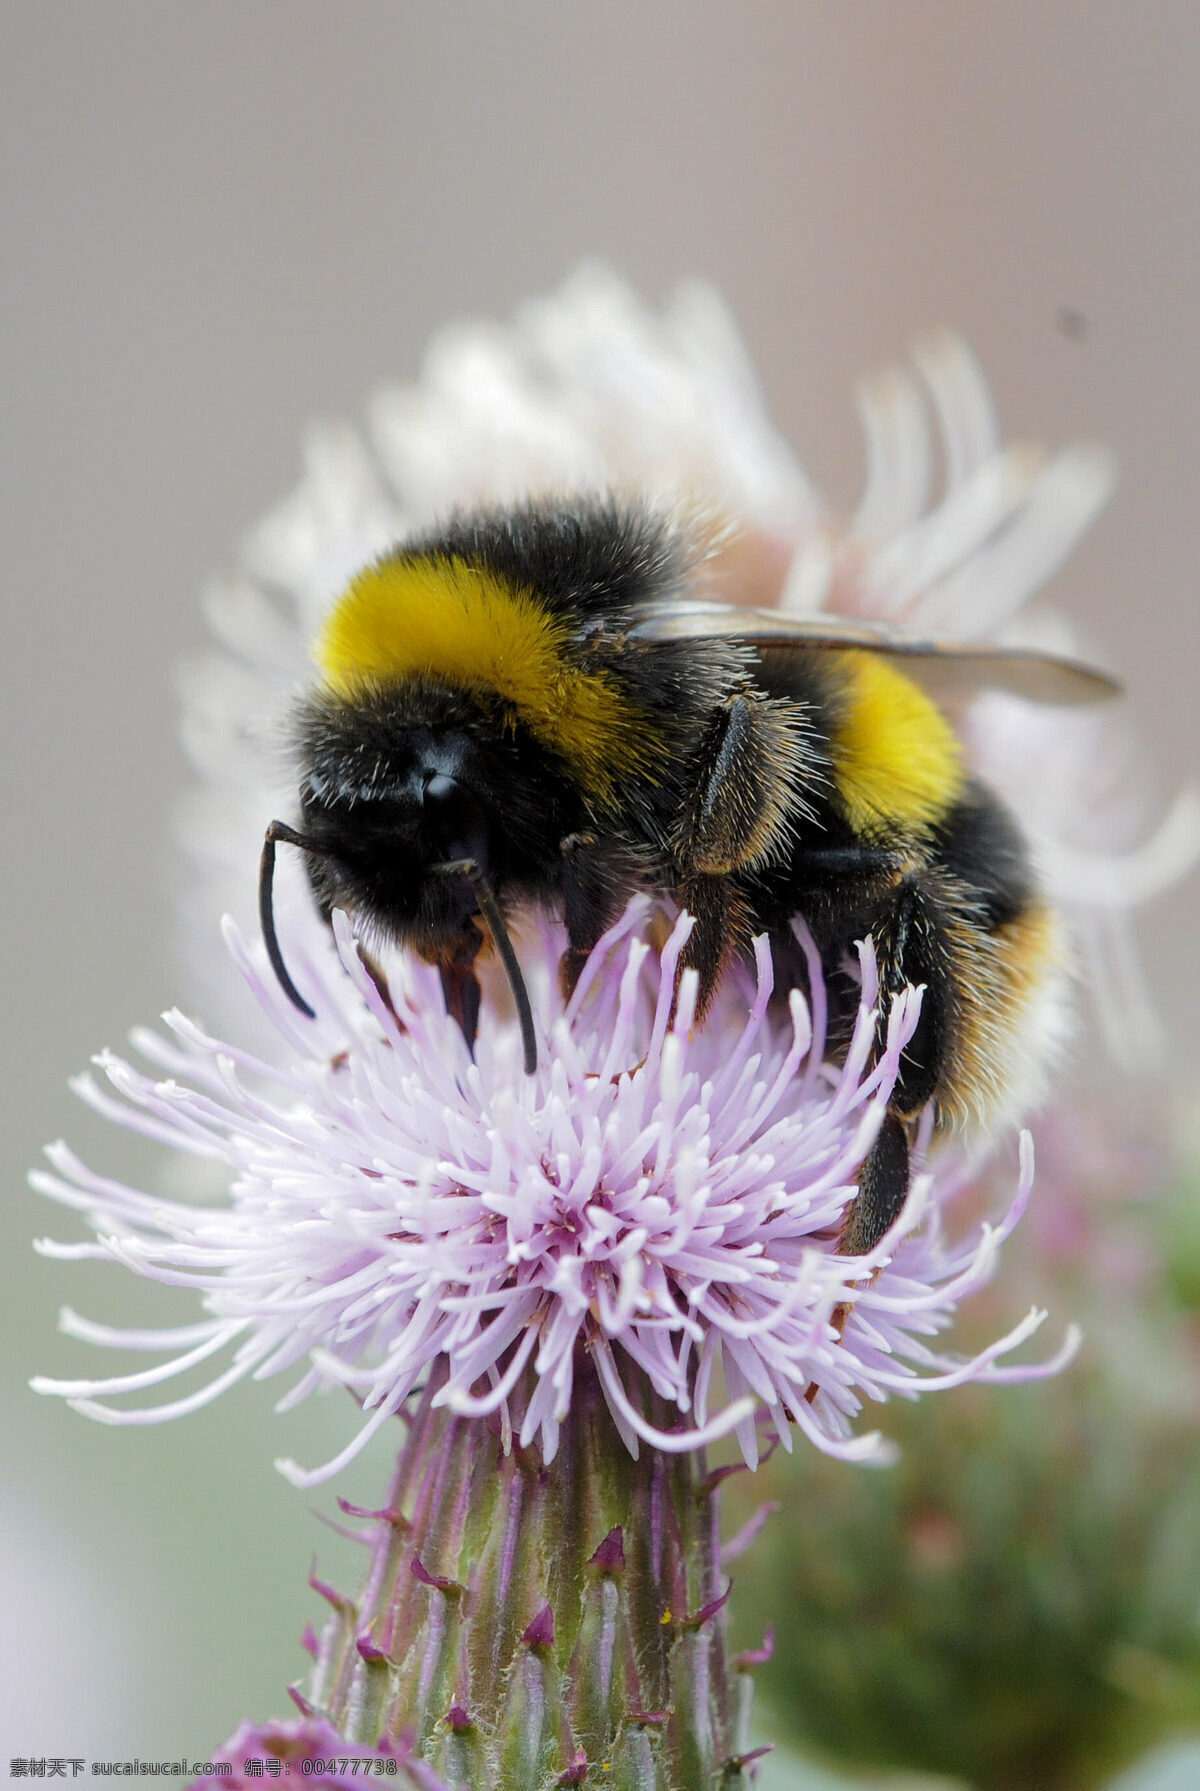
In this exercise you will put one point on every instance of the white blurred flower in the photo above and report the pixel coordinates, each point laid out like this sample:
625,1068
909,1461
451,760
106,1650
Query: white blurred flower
588,390
968,567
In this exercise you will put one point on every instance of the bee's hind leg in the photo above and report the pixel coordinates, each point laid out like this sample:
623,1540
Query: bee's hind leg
882,1190
916,941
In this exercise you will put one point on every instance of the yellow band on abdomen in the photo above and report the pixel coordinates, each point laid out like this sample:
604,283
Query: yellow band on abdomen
896,759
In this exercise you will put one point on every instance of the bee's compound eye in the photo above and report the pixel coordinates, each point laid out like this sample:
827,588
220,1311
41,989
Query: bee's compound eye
455,821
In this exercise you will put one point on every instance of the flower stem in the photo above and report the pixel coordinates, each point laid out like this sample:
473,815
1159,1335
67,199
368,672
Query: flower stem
529,1626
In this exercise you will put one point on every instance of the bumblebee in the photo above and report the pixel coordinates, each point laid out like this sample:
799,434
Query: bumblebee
534,706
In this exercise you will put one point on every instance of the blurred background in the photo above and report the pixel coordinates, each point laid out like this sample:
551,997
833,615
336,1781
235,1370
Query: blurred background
221,221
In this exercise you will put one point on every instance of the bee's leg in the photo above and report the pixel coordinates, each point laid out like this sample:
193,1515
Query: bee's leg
917,939
584,907
597,878
882,1190
916,942
460,985
748,784
923,933
723,922
378,976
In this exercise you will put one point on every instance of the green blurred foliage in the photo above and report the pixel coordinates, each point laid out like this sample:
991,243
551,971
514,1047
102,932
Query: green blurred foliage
1016,1603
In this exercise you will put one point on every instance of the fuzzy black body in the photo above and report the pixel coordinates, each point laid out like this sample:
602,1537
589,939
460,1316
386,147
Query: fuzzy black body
592,757
540,835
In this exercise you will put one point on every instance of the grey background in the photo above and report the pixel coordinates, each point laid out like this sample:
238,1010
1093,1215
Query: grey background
220,221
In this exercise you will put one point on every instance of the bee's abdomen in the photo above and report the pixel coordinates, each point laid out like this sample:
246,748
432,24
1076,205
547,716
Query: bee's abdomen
1007,1008
980,845
897,766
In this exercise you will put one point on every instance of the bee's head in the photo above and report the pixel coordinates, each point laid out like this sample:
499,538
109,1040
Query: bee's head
401,781
383,810
413,812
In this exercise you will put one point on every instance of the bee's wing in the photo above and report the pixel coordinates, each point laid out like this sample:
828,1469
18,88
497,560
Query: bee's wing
945,668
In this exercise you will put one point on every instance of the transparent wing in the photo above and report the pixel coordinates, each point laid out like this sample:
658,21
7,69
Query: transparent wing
945,668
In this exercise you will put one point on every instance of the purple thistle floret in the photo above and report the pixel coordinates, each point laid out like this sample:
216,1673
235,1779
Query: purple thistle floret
666,1199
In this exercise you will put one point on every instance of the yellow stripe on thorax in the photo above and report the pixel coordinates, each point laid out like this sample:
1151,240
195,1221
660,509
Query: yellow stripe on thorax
896,759
442,618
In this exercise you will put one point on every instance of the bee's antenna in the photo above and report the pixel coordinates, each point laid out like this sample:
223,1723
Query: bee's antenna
278,830
490,908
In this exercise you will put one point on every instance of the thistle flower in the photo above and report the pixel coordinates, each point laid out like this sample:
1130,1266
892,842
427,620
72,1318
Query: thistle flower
666,1202
542,1275
637,1245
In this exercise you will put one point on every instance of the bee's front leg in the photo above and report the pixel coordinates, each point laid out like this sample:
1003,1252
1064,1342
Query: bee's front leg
460,985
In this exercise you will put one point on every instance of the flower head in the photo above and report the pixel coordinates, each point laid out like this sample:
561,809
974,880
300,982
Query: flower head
663,1199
